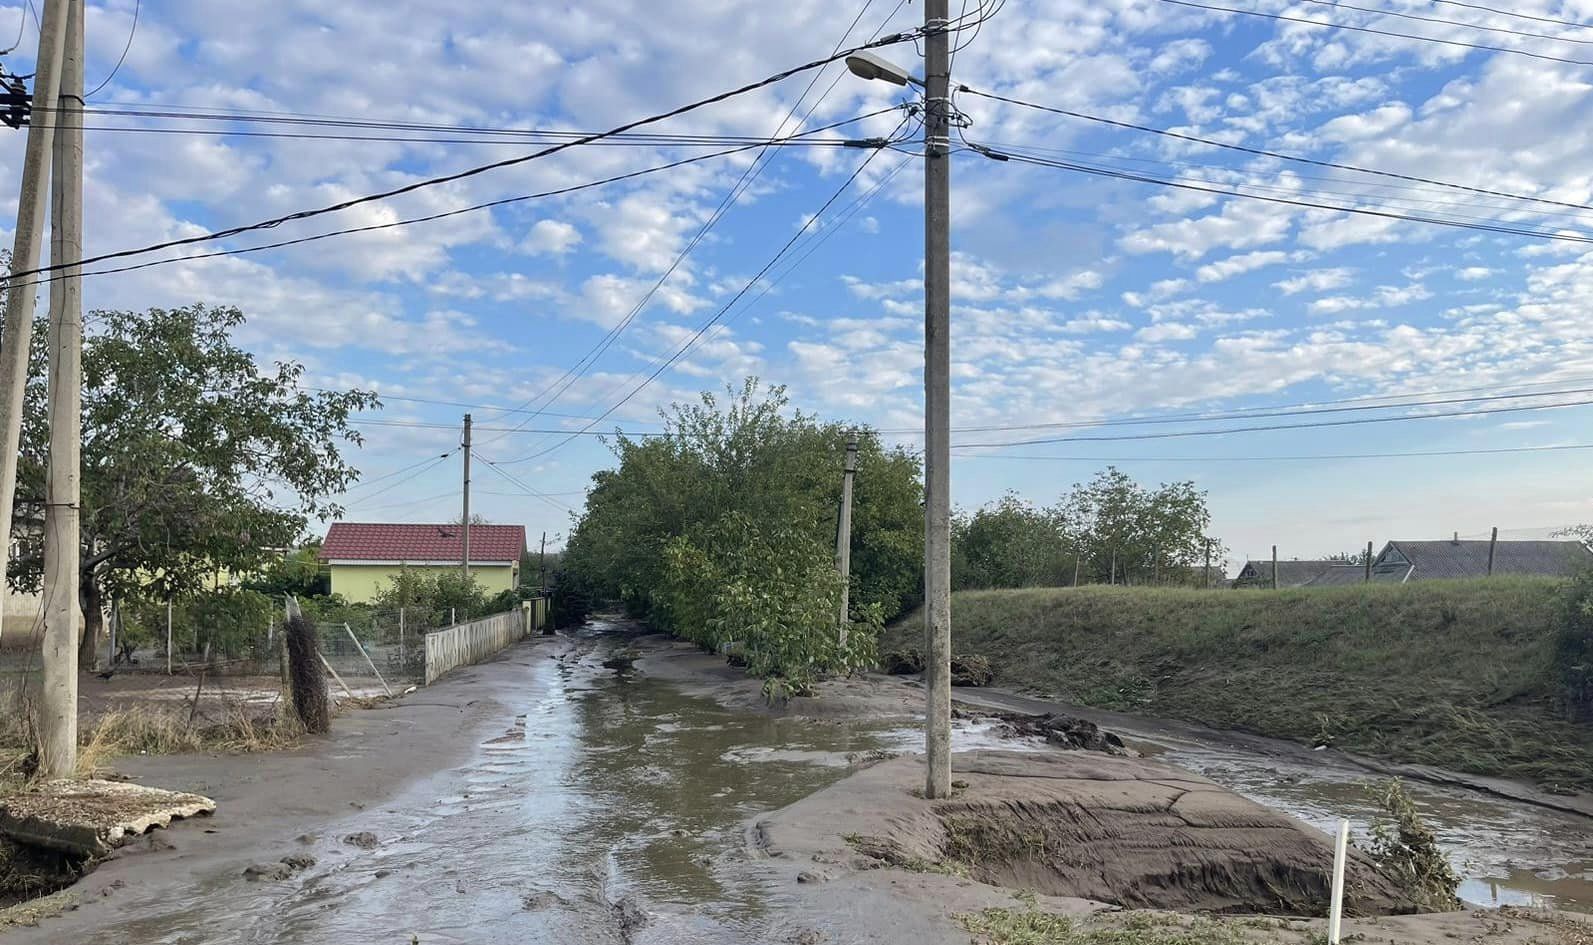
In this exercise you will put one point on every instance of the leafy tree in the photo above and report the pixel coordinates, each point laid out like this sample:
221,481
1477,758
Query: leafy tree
1010,544
298,572
745,471
1131,534
194,457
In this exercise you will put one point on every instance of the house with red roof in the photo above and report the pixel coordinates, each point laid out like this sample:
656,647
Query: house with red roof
364,557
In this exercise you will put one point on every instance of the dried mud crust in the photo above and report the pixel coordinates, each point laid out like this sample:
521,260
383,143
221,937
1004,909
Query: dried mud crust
1123,831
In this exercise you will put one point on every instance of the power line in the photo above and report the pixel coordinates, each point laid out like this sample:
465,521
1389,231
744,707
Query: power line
748,176
131,32
393,224
428,466
1514,13
1438,19
367,482
1278,155
1367,29
516,481
1293,202
1318,457
1354,421
472,171
456,403
494,142
702,329
22,25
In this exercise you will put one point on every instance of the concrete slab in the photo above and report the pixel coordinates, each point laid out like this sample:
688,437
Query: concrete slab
93,817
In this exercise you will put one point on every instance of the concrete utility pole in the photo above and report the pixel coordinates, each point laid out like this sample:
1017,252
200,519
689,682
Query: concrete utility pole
464,555
542,567
1493,542
937,392
17,328
843,534
1208,564
1274,567
1368,562
58,692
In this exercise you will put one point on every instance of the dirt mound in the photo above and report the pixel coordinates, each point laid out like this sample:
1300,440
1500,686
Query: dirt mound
1063,731
1117,830
966,669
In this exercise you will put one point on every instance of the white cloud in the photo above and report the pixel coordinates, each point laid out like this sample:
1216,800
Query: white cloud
1473,273
1236,265
551,237
1317,280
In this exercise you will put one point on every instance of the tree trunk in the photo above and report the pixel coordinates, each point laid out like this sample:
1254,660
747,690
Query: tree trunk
88,595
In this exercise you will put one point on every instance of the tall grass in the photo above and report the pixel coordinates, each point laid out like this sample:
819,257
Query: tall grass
1459,674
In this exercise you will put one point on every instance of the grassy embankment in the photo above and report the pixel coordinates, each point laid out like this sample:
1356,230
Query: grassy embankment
1457,674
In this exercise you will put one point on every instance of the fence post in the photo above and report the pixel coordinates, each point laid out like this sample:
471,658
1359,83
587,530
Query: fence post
368,661
1336,902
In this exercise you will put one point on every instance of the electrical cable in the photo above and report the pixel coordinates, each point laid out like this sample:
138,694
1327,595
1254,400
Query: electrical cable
1514,13
1314,205
131,32
429,465
701,330
1268,459
1278,155
748,176
516,481
1438,19
392,224
1354,421
366,482
471,171
22,25
1367,29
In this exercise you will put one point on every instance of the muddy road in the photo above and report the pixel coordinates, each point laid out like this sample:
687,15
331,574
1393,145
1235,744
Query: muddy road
544,798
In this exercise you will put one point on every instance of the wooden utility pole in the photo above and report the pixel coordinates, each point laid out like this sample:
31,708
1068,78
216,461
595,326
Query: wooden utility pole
17,327
1493,543
1274,567
1368,562
464,555
843,535
62,616
937,395
1208,564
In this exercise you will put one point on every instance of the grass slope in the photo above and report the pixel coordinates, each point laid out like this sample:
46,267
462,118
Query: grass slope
1449,673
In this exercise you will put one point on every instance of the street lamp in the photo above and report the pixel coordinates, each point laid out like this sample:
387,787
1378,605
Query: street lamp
937,377
867,65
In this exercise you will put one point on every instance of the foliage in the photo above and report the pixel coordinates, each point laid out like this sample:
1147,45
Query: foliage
1408,849
1457,674
298,572
1573,651
725,529
194,457
230,621
1034,927
1010,544
430,598
1108,530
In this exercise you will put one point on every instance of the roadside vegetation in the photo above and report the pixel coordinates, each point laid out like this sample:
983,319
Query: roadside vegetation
1466,675
722,532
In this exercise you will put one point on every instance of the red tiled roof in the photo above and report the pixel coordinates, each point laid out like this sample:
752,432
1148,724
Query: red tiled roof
364,541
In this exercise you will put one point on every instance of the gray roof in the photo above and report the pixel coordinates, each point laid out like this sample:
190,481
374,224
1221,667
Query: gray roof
1290,573
1339,575
1435,560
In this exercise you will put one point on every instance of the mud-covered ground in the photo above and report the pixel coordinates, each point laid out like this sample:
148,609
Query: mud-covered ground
542,797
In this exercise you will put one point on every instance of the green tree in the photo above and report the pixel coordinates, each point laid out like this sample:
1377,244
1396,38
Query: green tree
1131,534
1010,544
656,531
195,458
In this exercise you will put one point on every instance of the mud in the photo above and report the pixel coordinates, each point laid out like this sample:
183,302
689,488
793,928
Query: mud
1083,826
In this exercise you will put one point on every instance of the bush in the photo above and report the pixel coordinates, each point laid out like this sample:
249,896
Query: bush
1573,652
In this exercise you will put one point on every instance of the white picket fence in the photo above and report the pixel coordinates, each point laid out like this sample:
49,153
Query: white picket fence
467,643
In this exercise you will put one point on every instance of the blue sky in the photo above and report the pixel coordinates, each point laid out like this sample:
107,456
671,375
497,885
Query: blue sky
1076,298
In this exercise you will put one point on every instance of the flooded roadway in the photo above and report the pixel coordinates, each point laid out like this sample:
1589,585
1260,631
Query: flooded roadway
610,808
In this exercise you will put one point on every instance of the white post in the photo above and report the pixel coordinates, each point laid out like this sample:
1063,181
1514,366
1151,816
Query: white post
1341,846
843,534
62,612
25,251
464,522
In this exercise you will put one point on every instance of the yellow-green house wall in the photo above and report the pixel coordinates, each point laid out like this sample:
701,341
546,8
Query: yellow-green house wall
360,583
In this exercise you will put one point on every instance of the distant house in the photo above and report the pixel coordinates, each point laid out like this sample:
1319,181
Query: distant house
364,557
1299,573
1404,561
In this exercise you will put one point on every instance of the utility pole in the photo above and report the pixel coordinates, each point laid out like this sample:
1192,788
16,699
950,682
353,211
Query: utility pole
464,555
542,567
58,708
1274,567
1368,562
17,328
843,534
1493,542
1208,564
937,393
